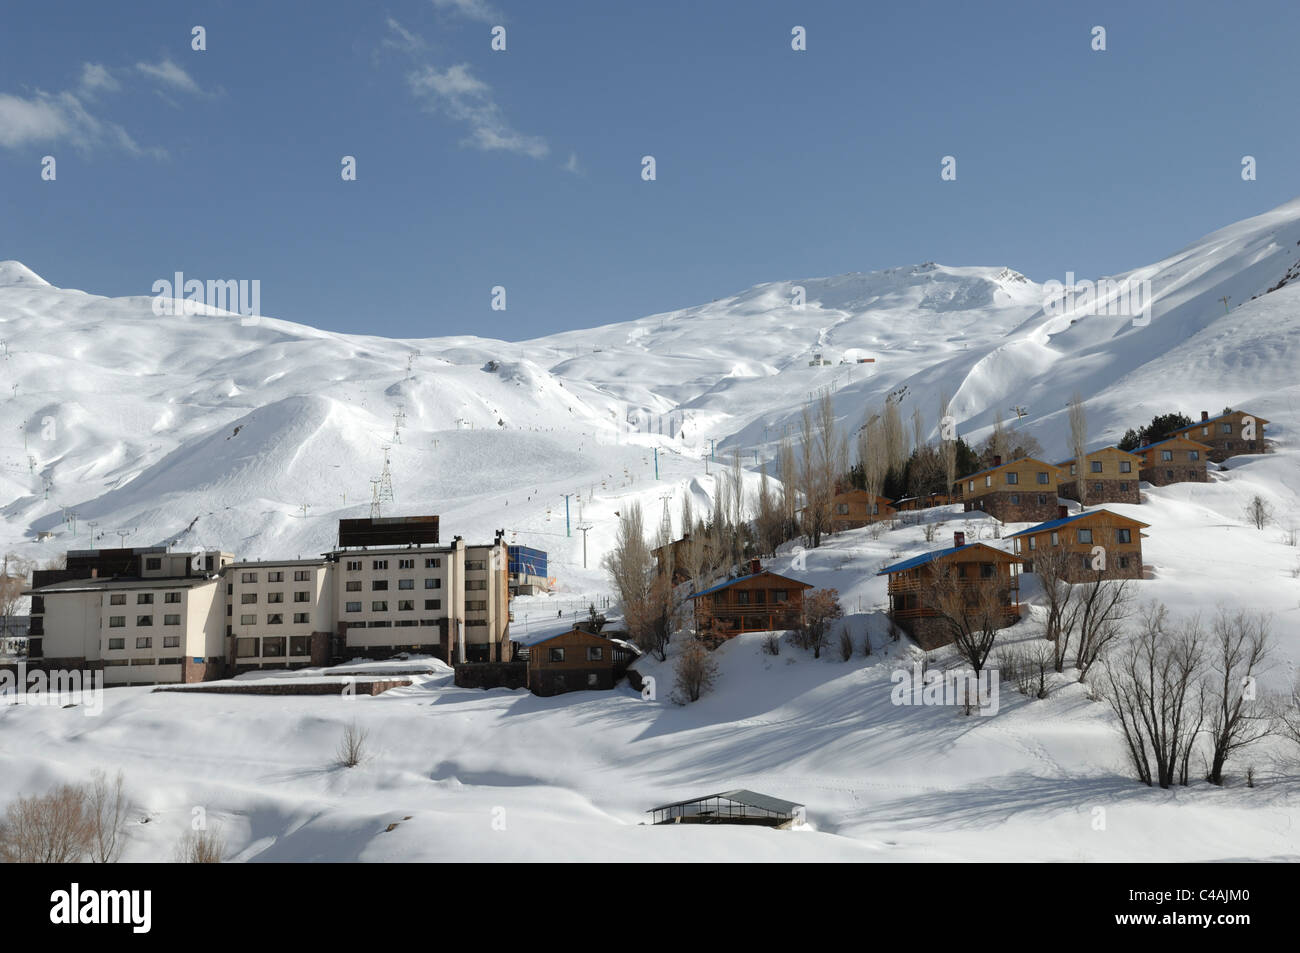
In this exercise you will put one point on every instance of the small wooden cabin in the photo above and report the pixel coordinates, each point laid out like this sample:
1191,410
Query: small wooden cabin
759,602
913,587
854,509
1022,491
1097,541
1109,475
576,661
1176,460
1228,434
929,501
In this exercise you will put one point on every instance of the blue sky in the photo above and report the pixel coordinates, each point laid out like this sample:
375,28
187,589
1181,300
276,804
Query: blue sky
523,169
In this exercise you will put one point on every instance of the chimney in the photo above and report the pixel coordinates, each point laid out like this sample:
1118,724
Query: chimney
997,460
1205,415
1062,511
755,567
959,538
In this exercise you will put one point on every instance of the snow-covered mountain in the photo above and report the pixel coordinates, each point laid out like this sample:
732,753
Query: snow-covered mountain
206,430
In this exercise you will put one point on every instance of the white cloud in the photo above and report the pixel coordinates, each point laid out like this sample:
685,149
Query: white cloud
60,117
463,97
401,38
571,165
169,74
473,9
95,77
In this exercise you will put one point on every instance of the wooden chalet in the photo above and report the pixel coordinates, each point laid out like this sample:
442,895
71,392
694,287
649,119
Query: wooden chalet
1085,536
1176,460
674,551
1228,434
575,660
1022,491
1109,475
759,602
929,501
914,585
854,509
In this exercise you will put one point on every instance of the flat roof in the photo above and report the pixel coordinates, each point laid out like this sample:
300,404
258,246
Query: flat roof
276,562
98,585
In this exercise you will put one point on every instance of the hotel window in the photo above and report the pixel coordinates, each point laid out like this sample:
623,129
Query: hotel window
595,653
172,597
143,620
475,565
144,642
475,585
352,607
1085,536
301,575
300,645
557,655
273,647
1013,476
248,620
379,585
1043,478
1123,536
1126,466
406,584
406,564
354,565
379,606
405,605
432,563
433,583
302,597
117,599
275,597
247,598
354,585
115,644
275,618
433,603
248,577
472,605
246,648
117,622
171,620
171,641
1096,466
153,562
144,598
301,618
379,564
275,577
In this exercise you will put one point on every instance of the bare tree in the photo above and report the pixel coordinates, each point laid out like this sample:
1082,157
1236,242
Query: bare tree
200,847
51,828
629,564
768,520
695,671
1152,687
352,747
651,618
947,443
873,456
893,434
824,460
998,443
107,808
1095,614
821,608
789,490
971,611
1079,445
1236,716
1258,512
1052,566
14,571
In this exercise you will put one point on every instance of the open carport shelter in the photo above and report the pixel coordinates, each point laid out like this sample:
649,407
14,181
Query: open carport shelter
729,807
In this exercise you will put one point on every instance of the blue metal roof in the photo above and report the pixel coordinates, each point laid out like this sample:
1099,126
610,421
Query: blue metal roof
732,582
1053,524
936,554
